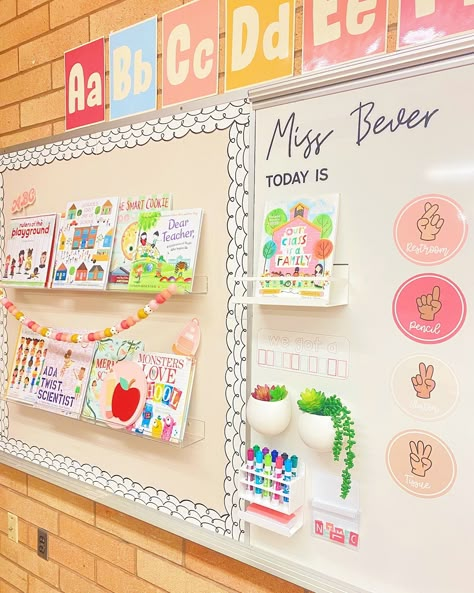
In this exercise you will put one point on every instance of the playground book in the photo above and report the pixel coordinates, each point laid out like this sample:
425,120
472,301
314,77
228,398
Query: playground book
84,244
29,250
166,250
64,377
169,385
27,366
297,250
126,234
109,351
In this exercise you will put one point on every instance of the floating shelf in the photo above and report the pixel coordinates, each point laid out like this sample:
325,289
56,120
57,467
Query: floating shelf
194,433
339,293
200,286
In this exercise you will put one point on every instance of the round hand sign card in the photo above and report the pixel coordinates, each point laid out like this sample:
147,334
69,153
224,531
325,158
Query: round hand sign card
425,387
429,308
421,463
430,230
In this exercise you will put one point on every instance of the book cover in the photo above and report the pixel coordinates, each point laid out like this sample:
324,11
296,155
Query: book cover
126,234
29,250
108,353
27,366
169,385
84,244
166,251
64,377
297,251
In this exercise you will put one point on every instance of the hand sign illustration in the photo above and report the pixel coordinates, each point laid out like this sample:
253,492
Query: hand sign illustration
429,304
423,382
430,223
420,458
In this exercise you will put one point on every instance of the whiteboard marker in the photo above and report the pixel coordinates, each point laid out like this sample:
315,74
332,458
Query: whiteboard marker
258,472
250,466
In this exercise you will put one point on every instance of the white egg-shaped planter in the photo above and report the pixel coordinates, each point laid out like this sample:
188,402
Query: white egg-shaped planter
316,431
268,418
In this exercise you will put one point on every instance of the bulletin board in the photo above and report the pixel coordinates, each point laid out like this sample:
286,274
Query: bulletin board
384,173
201,158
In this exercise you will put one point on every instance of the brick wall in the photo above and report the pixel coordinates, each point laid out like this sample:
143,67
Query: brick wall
34,35
93,549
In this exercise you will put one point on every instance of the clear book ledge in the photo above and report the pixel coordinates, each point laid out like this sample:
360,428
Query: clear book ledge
200,286
312,293
194,433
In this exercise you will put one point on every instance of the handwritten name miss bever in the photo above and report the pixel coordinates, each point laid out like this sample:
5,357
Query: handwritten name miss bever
369,121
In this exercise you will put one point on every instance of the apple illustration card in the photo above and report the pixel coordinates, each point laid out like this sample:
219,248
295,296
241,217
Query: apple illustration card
64,377
109,352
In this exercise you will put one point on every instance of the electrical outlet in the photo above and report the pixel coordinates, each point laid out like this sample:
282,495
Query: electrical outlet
13,527
42,547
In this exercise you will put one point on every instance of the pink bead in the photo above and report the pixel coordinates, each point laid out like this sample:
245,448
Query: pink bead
57,337
160,299
124,324
13,310
153,305
6,303
131,322
101,335
35,327
97,336
118,328
30,324
90,337
166,294
135,318
171,289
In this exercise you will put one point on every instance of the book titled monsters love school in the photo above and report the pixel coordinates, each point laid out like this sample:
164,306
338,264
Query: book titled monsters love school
297,251
169,383
166,250
29,250
126,234
84,244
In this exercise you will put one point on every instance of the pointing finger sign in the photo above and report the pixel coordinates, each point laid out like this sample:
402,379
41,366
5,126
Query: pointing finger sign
436,293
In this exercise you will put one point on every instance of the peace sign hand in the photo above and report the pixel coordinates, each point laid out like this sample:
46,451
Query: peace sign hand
420,458
430,223
423,382
429,304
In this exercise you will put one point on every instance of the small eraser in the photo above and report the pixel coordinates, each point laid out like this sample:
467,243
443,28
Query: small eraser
270,513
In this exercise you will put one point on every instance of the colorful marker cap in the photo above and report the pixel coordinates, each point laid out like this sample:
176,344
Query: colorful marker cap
250,455
259,457
268,460
265,450
294,461
288,465
279,462
274,455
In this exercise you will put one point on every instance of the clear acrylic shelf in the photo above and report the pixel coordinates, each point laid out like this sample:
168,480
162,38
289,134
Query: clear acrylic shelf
200,286
194,433
338,296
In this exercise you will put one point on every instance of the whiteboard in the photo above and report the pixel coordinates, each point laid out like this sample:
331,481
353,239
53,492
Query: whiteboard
408,543
201,158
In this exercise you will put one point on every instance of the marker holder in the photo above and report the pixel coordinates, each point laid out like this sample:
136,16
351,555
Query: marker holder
282,504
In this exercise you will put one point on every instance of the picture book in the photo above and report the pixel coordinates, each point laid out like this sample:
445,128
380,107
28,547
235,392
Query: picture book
84,244
109,352
27,366
29,250
297,251
169,384
166,250
64,377
126,234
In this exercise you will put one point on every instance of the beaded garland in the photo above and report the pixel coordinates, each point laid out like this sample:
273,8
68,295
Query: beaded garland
108,332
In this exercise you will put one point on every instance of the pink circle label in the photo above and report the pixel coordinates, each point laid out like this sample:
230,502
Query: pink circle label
430,229
421,463
429,308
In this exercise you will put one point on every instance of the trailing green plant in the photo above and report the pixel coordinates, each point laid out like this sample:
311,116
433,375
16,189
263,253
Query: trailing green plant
275,393
316,402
